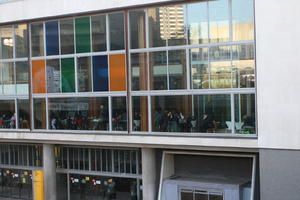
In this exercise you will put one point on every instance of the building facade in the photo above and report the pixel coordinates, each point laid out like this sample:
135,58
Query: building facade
152,99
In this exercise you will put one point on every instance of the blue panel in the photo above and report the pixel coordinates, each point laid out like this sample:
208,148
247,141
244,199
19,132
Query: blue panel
100,73
52,41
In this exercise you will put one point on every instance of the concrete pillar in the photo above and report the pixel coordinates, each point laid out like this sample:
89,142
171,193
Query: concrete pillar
49,172
149,174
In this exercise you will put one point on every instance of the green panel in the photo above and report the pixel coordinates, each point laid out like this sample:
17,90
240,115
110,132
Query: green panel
83,36
68,75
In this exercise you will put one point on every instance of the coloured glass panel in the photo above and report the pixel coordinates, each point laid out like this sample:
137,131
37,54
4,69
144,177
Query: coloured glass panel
52,41
83,37
68,75
38,76
117,72
100,73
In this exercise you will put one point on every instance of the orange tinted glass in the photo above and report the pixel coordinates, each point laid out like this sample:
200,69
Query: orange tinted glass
117,72
38,76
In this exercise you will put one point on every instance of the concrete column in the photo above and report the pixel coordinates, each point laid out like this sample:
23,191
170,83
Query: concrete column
149,174
49,172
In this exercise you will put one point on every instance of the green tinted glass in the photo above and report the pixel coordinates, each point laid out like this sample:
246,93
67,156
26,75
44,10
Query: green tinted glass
83,40
68,75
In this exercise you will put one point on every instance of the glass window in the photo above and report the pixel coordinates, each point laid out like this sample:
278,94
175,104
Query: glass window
139,75
52,41
177,69
67,36
242,20
140,113
67,75
53,76
1,80
218,21
137,29
99,32
8,78
119,114
116,31
22,77
37,39
23,113
7,114
84,74
7,42
245,122
197,26
199,68
39,107
117,72
38,76
21,40
158,24
176,25
100,73
158,70
83,36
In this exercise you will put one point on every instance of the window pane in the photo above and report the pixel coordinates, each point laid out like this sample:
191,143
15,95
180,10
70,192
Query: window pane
139,75
100,73
119,114
7,114
186,195
67,75
84,74
242,20
220,67
99,33
116,31
215,197
38,76
158,70
39,106
245,113
21,40
197,23
177,69
1,80
201,196
8,78
140,113
157,18
37,39
176,29
6,34
117,72
52,41
22,77
137,29
218,21
53,76
83,38
23,113
67,36
199,68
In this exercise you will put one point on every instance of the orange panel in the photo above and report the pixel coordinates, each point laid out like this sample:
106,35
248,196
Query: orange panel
117,72
38,76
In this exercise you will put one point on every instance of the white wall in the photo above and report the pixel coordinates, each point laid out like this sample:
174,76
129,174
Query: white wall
278,73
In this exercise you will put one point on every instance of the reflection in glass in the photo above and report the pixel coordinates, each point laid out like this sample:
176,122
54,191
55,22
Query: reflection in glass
119,114
139,75
7,42
67,36
245,113
8,78
7,114
53,76
177,69
158,70
21,40
39,107
22,77
52,41
137,29
158,24
220,67
99,32
37,39
218,21
116,31
176,27
140,113
84,74
197,23
78,113
199,68
242,20
23,113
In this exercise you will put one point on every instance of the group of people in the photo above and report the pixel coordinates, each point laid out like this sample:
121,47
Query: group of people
8,121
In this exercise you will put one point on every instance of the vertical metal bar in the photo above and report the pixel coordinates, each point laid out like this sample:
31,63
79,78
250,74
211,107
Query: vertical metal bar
107,33
147,28
232,113
16,114
101,159
113,160
68,186
110,112
149,114
28,35
188,69
90,159
47,115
